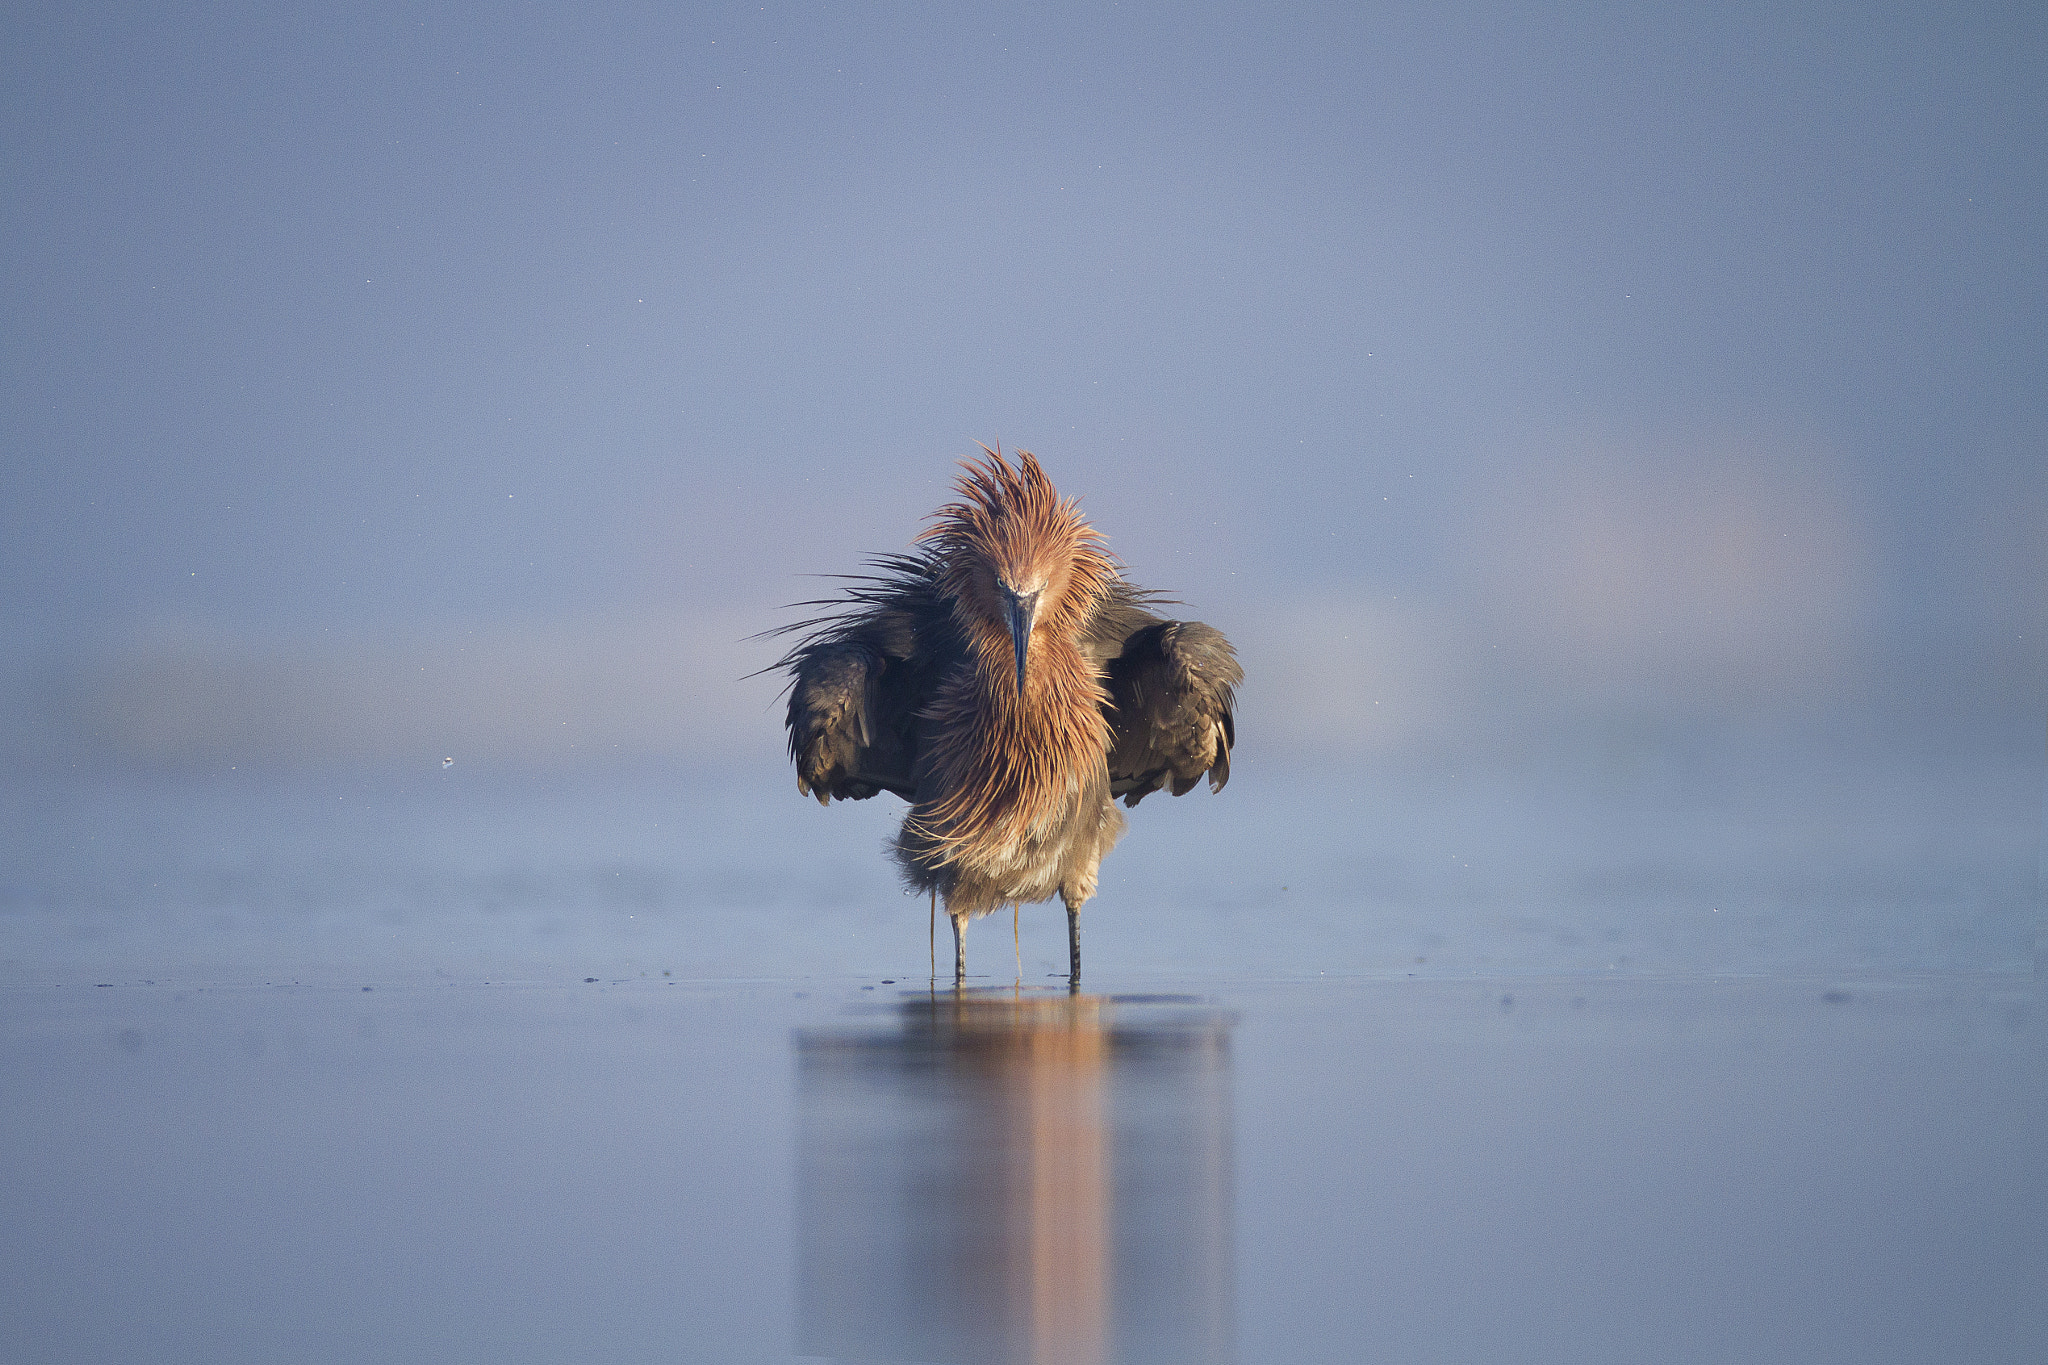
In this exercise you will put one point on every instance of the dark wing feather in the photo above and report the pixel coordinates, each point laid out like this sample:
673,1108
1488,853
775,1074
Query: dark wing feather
1173,693
834,719
858,678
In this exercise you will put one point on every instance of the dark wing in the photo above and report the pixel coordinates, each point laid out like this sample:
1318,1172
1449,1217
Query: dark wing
1173,690
858,679
836,735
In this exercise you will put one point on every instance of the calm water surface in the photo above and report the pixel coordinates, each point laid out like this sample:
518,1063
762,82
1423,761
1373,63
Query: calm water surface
1547,1169
405,1080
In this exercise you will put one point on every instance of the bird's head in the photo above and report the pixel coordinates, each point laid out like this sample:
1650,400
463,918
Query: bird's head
1019,560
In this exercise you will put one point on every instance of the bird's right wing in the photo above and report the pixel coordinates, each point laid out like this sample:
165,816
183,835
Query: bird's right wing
857,682
840,731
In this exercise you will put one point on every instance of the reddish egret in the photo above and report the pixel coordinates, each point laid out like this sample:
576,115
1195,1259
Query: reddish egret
1007,682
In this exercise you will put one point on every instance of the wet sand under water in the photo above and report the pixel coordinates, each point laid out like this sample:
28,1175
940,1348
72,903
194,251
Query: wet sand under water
1561,1168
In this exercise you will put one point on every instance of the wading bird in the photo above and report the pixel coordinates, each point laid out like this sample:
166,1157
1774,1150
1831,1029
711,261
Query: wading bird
1007,682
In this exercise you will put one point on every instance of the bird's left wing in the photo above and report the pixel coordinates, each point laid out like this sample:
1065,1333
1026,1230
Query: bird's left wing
1173,694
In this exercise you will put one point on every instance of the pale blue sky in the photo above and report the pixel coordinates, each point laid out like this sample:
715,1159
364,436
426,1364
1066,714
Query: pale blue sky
399,320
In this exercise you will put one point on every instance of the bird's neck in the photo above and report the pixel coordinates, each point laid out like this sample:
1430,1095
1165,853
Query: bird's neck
1059,683
1005,764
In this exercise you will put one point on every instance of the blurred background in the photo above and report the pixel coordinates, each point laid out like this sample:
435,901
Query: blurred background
1582,396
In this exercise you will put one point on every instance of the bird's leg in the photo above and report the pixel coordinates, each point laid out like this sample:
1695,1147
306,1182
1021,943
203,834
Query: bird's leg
932,934
1074,947
959,949
1017,938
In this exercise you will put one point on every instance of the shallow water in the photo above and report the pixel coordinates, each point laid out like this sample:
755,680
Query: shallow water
1807,866
1560,1169
317,1070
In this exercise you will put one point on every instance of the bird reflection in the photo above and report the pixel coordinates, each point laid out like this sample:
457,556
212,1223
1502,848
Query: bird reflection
1016,1177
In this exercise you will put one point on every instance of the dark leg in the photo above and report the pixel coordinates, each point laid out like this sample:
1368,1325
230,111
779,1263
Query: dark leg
959,950
1074,948
932,934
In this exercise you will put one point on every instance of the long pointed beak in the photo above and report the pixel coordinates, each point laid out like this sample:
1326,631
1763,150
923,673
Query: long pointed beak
1023,610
